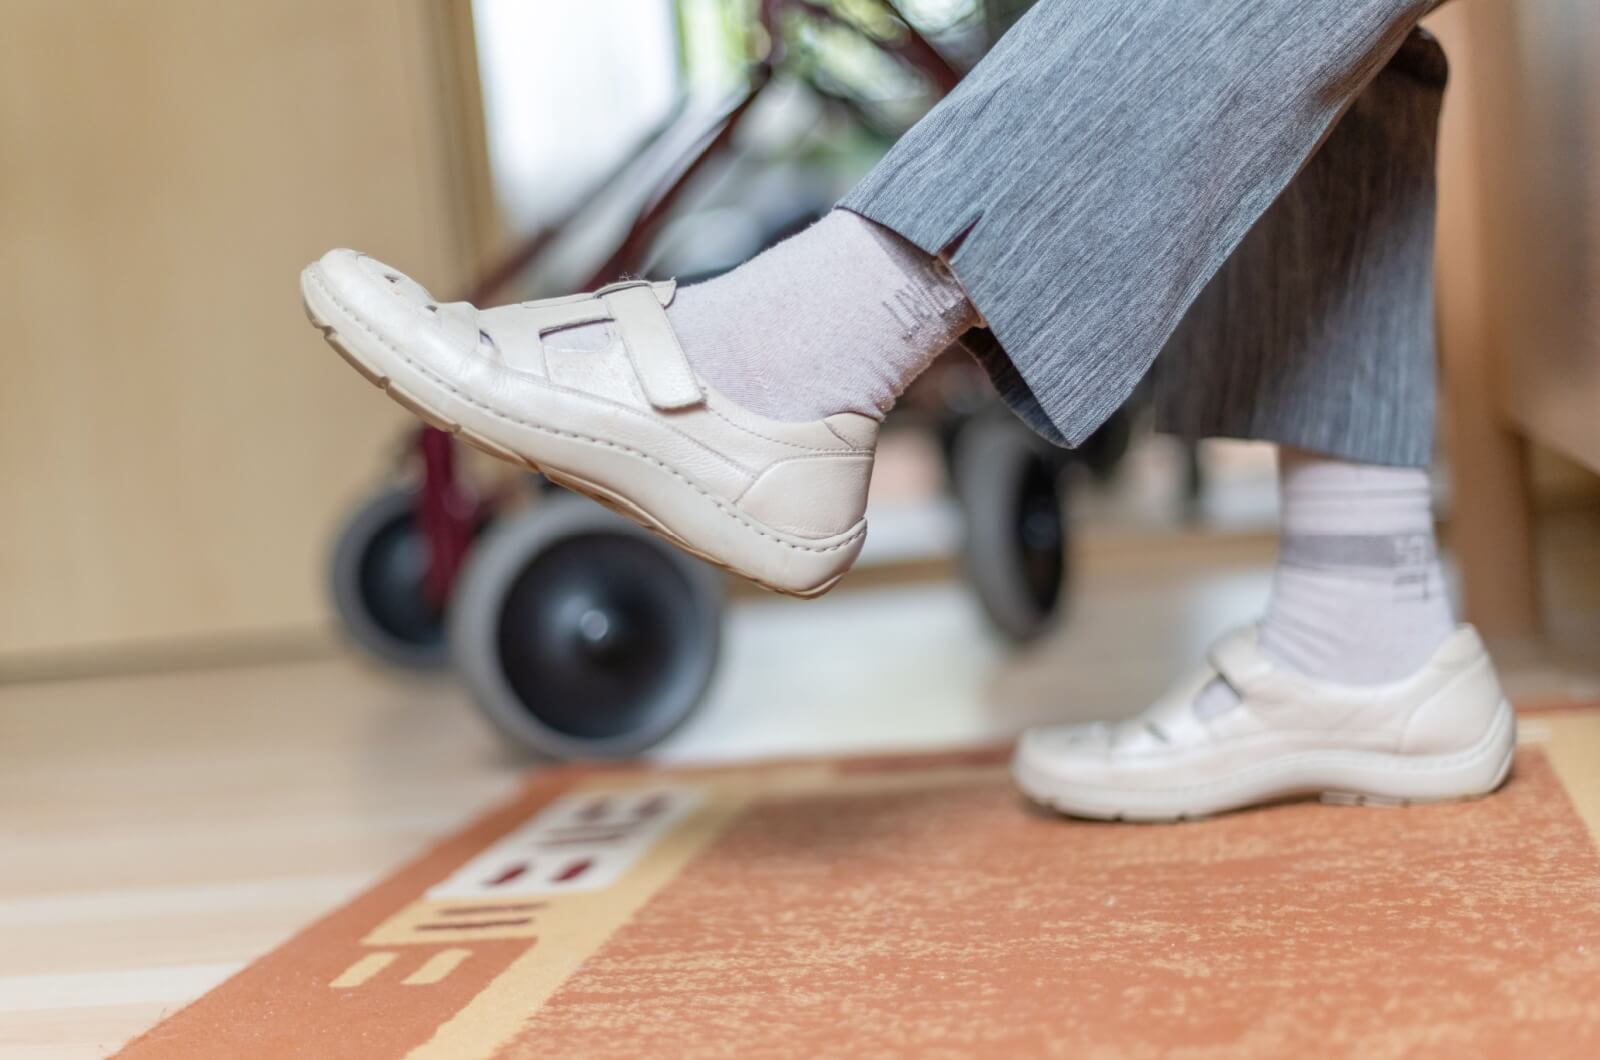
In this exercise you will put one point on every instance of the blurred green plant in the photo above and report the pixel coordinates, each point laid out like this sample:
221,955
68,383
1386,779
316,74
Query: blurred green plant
716,38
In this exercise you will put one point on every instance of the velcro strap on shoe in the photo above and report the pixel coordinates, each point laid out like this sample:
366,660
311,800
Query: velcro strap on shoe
1238,660
658,360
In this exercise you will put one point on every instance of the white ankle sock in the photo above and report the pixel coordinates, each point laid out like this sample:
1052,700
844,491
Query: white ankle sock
1358,596
840,318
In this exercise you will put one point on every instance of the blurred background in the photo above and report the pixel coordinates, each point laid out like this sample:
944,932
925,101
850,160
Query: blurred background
178,452
223,608
181,456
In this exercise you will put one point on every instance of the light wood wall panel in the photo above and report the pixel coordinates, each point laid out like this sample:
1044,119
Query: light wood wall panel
1535,115
176,443
1519,278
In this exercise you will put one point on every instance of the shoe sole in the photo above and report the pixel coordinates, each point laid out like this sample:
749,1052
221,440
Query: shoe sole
379,370
1347,778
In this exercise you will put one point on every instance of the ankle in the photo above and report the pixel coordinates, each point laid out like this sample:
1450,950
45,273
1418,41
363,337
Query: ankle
841,318
1358,596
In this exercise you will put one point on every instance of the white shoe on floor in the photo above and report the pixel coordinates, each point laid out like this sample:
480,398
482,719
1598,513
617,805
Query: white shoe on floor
1445,732
630,425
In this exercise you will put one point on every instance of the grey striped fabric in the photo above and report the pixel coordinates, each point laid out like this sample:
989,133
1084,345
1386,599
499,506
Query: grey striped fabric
1097,171
1318,332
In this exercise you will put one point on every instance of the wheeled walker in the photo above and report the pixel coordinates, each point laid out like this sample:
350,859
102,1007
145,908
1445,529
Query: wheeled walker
580,635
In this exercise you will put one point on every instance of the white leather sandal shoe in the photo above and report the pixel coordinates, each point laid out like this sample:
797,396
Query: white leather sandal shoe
1445,732
631,425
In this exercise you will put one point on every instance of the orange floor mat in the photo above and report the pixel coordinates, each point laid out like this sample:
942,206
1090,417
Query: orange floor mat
912,907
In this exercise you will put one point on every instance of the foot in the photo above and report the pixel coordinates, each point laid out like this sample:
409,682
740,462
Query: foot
630,424
1444,732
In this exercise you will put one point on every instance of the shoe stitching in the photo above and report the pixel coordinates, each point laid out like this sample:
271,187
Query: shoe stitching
620,343
549,382
854,445
1245,703
722,506
672,335
627,351
852,451
1336,757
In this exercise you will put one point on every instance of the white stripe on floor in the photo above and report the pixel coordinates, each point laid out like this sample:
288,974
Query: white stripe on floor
137,986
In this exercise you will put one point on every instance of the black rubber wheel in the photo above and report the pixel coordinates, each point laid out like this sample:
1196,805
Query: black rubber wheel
581,635
376,580
1013,496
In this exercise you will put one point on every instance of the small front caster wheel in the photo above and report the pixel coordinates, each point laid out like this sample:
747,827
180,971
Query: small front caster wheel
376,578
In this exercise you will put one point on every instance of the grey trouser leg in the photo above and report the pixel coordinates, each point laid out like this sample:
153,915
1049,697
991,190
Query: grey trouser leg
1102,163
1318,332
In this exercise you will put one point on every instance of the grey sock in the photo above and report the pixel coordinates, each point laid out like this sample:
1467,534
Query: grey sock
840,318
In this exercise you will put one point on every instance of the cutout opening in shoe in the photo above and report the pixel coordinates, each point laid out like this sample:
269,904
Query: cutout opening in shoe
590,337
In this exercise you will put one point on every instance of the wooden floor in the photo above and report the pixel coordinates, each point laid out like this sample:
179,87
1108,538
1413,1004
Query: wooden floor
158,831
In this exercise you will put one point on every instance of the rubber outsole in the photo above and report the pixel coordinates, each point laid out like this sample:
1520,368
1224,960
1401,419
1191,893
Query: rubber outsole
577,484
1043,791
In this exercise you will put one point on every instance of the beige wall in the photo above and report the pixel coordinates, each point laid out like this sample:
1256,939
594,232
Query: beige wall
176,444
1541,171
1519,279
1520,220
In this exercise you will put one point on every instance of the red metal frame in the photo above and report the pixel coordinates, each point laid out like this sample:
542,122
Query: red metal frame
449,513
